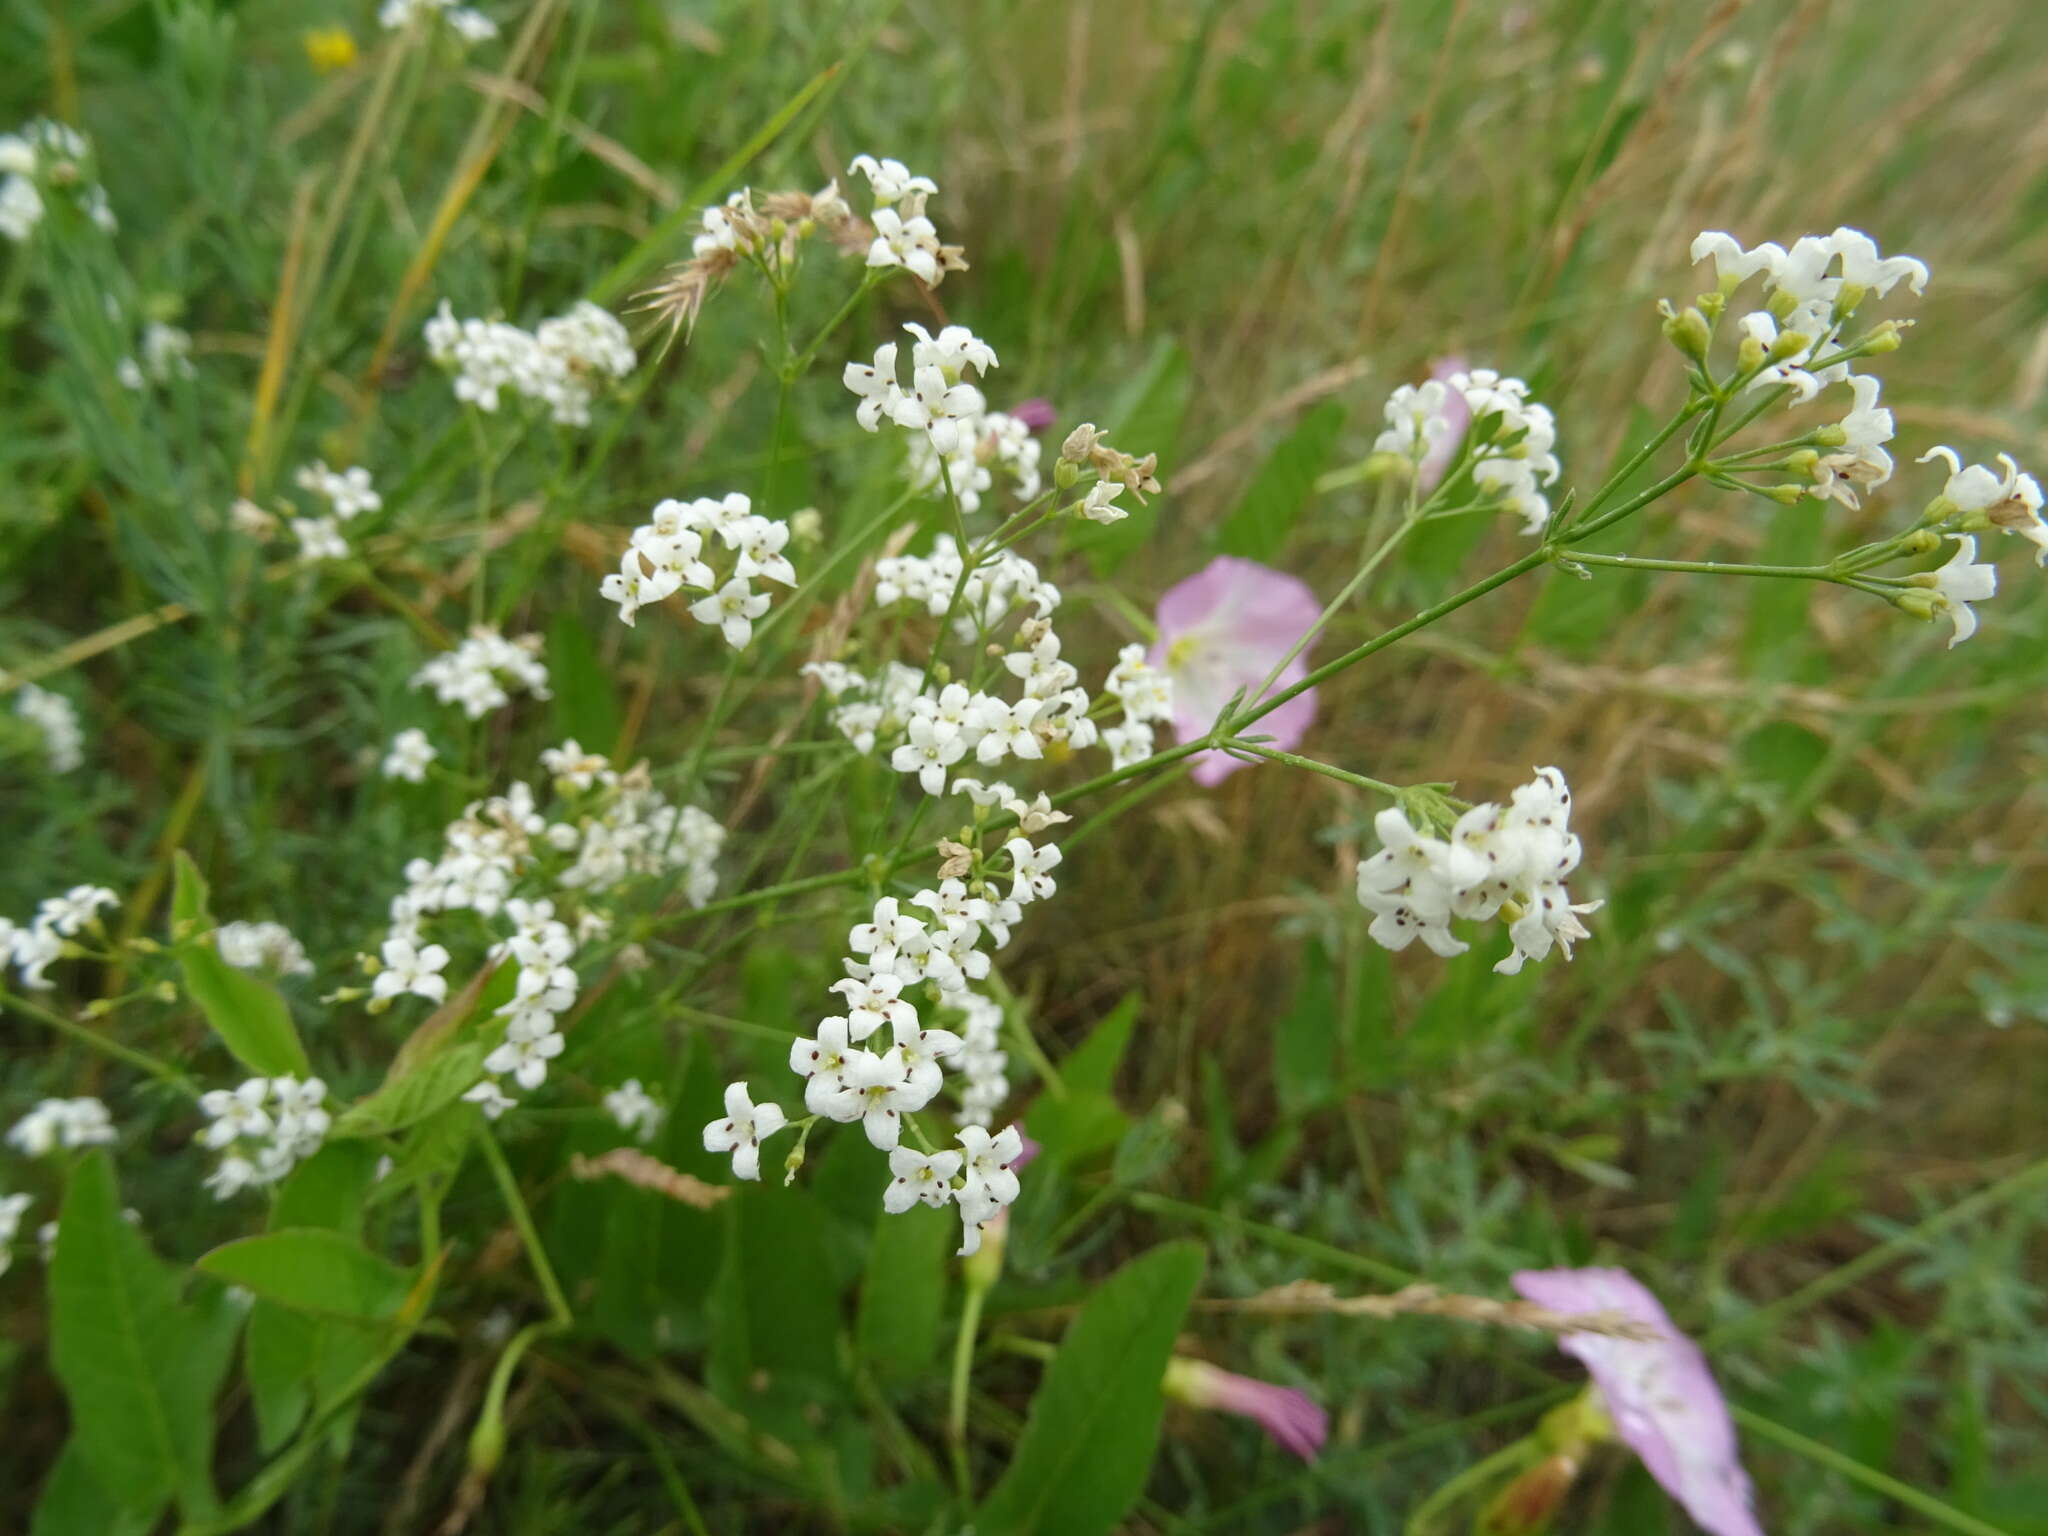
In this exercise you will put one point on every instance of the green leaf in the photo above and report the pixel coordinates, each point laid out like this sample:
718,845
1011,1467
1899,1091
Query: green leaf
1085,1119
138,1366
75,1502
313,1269
1087,1447
438,1081
1265,514
1146,418
1304,1040
248,1014
903,1294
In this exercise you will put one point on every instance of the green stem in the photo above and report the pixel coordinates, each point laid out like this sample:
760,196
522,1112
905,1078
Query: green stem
515,1204
161,1070
1904,1493
1293,760
956,1401
1468,1482
1700,567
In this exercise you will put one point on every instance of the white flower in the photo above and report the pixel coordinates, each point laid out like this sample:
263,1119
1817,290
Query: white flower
892,181
70,1123
526,1060
821,1062
234,1174
915,1177
990,1184
410,968
879,1092
733,608
871,1002
236,1114
1006,730
490,1098
933,747
1863,268
636,1113
742,1130
911,243
1732,264
477,673
1959,583
77,907
319,539
409,755
876,386
2011,501
256,946
57,718
1861,460
34,948
1099,505
1031,870
348,491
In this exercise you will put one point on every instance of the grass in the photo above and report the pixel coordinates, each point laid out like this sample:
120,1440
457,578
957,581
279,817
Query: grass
1793,1082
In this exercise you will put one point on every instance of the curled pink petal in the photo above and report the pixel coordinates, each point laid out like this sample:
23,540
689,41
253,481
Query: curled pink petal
1660,1394
1289,1416
1036,413
1223,629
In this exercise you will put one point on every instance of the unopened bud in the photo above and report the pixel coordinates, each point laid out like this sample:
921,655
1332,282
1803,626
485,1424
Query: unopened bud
982,1268
1917,601
793,1164
1789,345
1713,306
1750,355
1065,473
1687,330
1080,443
1787,495
1921,541
1851,295
1831,436
1804,462
1781,306
1528,1505
1886,338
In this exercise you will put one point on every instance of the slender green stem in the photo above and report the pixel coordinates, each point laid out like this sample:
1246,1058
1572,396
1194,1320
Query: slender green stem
872,276
1294,760
522,1219
956,1399
1636,461
486,470
1940,1513
161,1070
1699,567
1471,1481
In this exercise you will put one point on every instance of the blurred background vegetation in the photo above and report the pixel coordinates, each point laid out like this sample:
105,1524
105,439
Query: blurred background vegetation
1809,1028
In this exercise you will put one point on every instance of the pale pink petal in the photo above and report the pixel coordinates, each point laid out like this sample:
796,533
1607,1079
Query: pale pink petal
1223,629
1660,1393
1293,1419
1458,412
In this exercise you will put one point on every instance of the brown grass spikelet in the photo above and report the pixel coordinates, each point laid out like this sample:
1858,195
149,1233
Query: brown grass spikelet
650,1173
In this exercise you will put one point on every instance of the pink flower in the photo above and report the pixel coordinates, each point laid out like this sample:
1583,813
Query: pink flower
1660,1394
1036,413
1288,1415
1458,412
1224,629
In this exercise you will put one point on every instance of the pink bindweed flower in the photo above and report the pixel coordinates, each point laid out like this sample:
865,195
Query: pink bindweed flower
1289,1416
1660,1394
1036,413
1458,412
1224,629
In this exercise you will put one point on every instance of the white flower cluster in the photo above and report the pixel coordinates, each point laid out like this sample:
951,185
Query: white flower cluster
68,1123
479,671
1980,500
41,158
12,1209
667,554
466,22
347,493
1812,291
904,237
611,827
560,364
262,947
847,1079
1511,438
57,718
1146,693
1511,863
409,756
939,403
262,1130
33,946
166,355
636,1112
987,443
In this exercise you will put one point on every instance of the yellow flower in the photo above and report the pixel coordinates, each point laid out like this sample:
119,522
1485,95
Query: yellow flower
330,48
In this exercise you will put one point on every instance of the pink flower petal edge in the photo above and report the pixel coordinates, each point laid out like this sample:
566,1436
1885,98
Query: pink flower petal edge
1223,629
1661,1395
1290,1417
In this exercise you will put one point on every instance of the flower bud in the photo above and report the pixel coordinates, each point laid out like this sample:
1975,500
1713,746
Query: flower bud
1065,473
1921,541
1886,338
1917,601
1805,462
1080,443
1750,355
1687,330
1787,495
1528,1505
1831,436
1851,295
1713,306
1789,345
982,1268
1781,306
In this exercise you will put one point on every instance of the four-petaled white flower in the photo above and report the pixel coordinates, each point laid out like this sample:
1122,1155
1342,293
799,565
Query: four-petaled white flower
635,1111
742,1130
1959,583
236,1114
409,967
916,1177
733,608
932,748
1031,869
2010,501
409,756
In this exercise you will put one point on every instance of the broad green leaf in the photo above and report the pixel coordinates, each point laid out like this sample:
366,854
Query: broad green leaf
313,1269
248,1014
1145,418
1087,1447
903,1294
283,1349
75,1502
1265,514
436,1082
1085,1119
139,1366
773,1311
